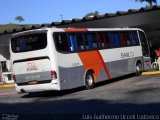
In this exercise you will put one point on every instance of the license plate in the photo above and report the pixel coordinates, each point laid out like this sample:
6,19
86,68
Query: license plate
33,82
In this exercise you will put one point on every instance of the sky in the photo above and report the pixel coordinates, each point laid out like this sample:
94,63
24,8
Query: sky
47,11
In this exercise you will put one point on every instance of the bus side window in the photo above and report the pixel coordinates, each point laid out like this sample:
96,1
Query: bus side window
99,40
80,41
86,41
94,39
106,38
73,42
112,39
122,39
117,39
136,38
102,40
61,42
131,38
127,38
90,41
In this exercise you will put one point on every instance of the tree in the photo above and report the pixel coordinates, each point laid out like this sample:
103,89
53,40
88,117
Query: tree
19,18
150,2
91,14
96,13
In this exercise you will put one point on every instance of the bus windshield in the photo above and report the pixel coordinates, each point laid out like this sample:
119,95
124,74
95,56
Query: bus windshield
29,42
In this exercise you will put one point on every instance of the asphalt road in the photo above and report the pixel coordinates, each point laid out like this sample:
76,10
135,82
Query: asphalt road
124,98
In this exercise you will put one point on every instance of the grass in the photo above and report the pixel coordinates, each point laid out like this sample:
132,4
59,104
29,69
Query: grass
12,26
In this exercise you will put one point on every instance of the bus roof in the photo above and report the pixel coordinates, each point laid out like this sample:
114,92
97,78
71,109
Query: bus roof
53,29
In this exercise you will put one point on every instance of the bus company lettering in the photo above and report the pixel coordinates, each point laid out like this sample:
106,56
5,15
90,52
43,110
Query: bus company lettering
31,66
127,55
27,40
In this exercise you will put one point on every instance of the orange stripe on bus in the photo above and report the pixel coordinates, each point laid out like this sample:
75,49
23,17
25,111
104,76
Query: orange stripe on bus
75,29
94,61
104,65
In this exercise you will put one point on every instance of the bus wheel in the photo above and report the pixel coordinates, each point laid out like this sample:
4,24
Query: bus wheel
89,80
138,68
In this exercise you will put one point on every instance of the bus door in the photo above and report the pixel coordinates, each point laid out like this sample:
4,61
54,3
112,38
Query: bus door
145,51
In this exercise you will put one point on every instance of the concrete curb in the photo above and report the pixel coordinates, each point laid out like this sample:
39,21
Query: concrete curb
151,73
7,86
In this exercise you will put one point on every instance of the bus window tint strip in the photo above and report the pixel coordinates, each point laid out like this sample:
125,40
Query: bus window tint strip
83,41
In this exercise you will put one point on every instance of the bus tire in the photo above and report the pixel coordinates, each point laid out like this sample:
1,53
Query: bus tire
138,68
89,80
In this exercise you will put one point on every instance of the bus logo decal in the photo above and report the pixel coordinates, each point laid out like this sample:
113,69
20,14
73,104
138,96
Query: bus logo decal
31,66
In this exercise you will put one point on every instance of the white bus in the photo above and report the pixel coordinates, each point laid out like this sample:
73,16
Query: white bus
65,58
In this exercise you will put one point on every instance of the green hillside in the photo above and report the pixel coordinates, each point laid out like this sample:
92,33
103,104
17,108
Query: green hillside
12,26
